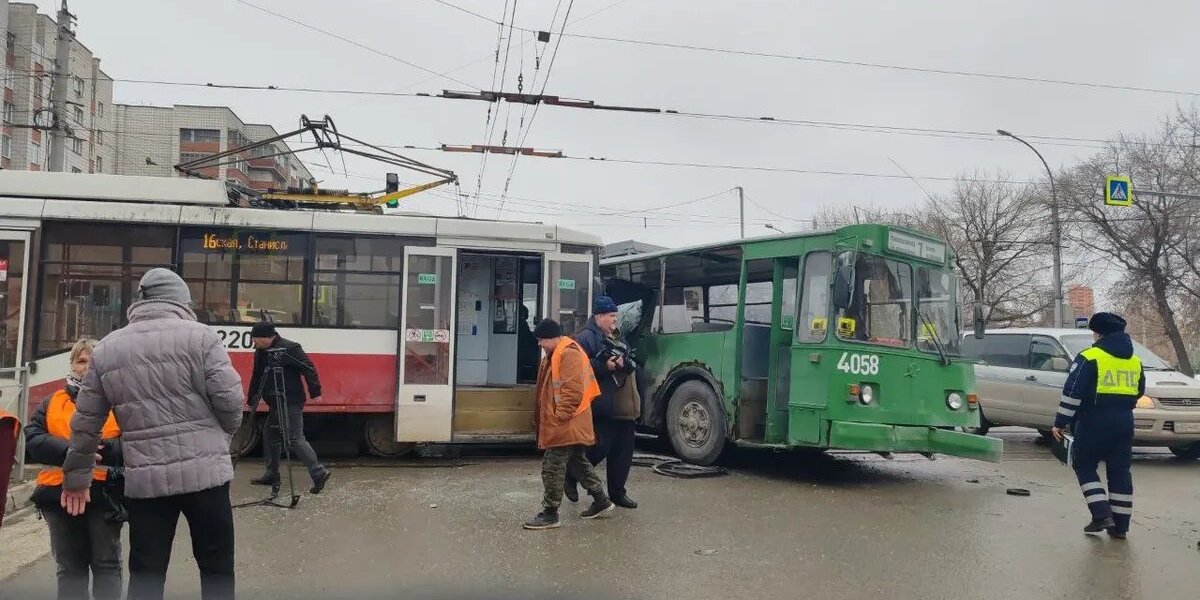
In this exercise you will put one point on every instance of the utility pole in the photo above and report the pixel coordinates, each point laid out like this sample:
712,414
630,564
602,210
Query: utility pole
742,208
60,90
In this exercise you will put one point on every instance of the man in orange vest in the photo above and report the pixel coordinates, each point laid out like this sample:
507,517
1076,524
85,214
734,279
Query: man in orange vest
566,387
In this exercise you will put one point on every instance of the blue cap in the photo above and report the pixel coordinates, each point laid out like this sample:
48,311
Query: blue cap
603,306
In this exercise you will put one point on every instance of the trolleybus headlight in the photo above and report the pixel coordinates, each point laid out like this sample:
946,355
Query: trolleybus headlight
867,395
954,401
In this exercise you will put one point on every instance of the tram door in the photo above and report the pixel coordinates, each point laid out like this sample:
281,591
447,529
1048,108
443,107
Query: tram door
14,263
567,286
425,403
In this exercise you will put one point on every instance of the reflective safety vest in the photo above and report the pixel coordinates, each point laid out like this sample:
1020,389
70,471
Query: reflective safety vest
591,389
1115,376
58,424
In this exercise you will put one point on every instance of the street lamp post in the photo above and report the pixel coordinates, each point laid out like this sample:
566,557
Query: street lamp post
1057,231
774,228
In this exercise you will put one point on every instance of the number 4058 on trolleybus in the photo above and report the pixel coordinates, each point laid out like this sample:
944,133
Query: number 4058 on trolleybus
420,326
846,338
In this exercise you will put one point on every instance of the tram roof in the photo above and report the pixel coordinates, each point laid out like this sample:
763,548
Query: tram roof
203,202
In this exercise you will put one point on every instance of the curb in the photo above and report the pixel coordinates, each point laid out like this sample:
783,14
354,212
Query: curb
17,503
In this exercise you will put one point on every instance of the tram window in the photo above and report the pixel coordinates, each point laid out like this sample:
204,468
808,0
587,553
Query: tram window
89,277
356,300
880,310
357,280
238,275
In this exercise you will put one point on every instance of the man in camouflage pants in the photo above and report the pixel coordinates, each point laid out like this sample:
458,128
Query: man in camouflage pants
565,389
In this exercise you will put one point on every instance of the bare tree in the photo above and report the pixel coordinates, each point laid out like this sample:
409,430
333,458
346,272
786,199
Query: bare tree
1154,241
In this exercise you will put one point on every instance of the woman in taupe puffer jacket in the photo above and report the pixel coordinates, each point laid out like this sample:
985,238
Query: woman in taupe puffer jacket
177,399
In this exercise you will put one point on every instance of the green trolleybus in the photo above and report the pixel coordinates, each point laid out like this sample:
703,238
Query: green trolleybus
836,339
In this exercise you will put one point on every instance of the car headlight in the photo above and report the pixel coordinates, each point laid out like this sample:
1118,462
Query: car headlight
867,394
1146,402
954,401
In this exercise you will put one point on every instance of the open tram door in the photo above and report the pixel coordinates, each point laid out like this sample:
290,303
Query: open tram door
14,288
425,398
567,285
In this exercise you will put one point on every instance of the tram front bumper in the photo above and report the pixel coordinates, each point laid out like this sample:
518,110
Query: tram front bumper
879,437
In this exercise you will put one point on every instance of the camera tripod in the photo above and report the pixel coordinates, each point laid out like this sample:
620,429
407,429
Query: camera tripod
274,374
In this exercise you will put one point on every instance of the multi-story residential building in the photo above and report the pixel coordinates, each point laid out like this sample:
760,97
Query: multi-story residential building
152,139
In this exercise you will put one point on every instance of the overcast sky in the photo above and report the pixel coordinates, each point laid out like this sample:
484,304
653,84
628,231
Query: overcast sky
1146,44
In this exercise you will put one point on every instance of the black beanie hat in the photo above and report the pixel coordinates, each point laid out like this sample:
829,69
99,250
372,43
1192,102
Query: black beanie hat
263,330
547,329
1105,323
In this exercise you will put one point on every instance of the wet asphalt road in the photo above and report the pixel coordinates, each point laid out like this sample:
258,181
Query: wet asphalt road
840,527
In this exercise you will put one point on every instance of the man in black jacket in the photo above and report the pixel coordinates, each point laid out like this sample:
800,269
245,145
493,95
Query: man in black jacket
272,350
615,412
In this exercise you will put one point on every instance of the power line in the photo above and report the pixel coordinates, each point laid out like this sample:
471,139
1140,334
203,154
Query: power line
545,81
354,43
856,63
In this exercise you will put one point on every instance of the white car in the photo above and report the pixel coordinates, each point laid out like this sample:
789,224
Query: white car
1021,372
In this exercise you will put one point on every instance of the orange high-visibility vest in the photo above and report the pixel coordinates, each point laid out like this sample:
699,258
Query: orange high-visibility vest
58,424
591,389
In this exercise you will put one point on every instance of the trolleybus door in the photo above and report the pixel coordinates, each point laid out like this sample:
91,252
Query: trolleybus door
14,286
567,282
425,404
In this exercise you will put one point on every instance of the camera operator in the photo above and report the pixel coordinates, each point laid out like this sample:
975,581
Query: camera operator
272,350
615,412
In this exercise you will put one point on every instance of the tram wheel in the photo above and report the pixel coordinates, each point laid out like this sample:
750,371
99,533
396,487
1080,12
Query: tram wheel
379,435
248,436
696,423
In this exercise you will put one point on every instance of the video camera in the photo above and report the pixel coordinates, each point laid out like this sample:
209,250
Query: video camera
613,350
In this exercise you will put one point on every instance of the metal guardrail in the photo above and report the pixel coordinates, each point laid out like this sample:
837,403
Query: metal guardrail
21,375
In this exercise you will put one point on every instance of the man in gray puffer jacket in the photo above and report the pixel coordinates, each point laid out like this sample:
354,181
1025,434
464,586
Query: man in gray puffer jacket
170,384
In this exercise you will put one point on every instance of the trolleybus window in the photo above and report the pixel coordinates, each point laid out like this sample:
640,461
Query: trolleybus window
879,311
89,276
814,301
937,316
357,281
689,278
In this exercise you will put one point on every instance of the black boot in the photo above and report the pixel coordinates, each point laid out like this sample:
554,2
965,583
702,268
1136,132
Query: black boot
1098,525
624,501
1116,534
319,482
547,519
601,505
271,479
571,490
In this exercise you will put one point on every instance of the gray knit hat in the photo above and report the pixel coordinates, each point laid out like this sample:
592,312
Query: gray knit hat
163,284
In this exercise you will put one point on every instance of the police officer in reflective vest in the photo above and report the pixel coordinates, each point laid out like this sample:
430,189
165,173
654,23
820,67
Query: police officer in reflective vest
1102,388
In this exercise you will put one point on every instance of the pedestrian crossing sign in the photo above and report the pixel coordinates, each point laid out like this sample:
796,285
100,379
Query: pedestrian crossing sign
1118,191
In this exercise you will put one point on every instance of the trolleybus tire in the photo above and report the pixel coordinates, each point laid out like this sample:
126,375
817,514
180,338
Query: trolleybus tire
696,423
247,438
1188,452
379,436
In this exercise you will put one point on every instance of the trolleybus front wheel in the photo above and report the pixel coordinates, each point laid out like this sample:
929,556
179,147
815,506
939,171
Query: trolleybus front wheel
379,435
696,423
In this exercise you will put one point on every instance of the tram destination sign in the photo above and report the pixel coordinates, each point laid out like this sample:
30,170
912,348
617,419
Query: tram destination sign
917,247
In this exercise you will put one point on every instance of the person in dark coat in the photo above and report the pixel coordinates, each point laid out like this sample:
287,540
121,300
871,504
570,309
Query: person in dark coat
289,355
616,411
1102,389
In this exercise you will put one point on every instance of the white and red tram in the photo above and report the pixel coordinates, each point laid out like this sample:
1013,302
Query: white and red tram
419,325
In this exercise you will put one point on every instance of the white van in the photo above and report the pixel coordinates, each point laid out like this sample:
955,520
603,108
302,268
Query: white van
1021,373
